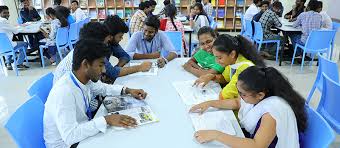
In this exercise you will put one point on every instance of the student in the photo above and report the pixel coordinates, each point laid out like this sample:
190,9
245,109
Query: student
153,5
203,61
28,13
171,24
67,117
208,8
235,54
198,17
98,31
252,10
326,19
10,30
308,21
264,6
298,8
137,20
57,21
165,3
149,43
56,3
66,13
281,7
77,13
269,109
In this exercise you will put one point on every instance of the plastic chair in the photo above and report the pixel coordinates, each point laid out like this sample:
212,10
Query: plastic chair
176,39
329,103
242,26
249,29
328,67
80,25
336,27
318,41
26,124
213,25
258,39
42,87
6,48
73,35
87,20
318,133
211,19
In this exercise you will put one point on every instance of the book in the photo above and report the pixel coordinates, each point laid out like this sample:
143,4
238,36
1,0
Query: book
83,3
240,2
120,13
152,72
101,14
213,2
93,14
111,12
136,3
100,3
128,3
239,12
37,4
221,2
128,13
220,24
220,13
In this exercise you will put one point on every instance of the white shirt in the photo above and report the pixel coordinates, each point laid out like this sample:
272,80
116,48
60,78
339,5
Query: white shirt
63,67
10,30
78,15
251,11
326,20
65,119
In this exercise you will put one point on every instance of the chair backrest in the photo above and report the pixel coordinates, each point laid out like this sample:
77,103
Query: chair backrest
258,35
73,32
336,26
62,37
176,39
213,25
320,39
330,101
42,87
87,20
80,25
249,29
242,26
5,44
318,133
328,67
26,124
211,19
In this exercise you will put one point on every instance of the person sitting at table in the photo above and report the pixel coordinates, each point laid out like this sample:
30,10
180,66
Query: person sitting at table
67,116
137,20
198,17
307,21
171,24
270,110
66,13
28,13
326,19
10,30
56,3
235,54
264,6
252,10
57,21
110,33
203,61
77,13
298,8
208,8
152,7
151,44
281,7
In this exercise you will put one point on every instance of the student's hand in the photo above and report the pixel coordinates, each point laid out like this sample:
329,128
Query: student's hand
204,80
120,120
136,93
204,136
145,66
161,62
187,67
156,55
200,108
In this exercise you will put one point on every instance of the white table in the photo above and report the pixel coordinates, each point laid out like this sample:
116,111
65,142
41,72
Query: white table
174,130
30,28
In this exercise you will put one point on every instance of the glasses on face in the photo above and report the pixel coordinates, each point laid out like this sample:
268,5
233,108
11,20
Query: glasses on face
206,42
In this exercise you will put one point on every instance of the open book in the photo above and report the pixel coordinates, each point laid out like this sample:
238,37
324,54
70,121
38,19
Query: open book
127,105
152,72
192,95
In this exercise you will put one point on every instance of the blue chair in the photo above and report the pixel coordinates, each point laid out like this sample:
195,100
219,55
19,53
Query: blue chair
26,124
336,27
42,87
80,25
318,133
176,39
211,19
73,35
213,25
87,20
328,67
258,39
329,103
242,26
6,49
318,41
249,29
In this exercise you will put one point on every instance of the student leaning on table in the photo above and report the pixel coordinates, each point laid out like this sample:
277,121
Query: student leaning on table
235,54
67,116
269,109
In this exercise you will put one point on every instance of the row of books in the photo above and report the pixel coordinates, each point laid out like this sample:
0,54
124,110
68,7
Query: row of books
230,13
101,3
101,13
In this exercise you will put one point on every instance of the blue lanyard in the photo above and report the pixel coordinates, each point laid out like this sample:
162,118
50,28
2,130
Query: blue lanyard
88,110
146,47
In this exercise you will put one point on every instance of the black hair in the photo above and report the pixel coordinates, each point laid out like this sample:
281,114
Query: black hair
273,83
198,1
227,43
153,3
303,1
320,4
200,7
114,24
50,11
170,11
313,5
57,2
207,30
152,21
75,1
2,8
22,1
89,49
144,5
166,2
94,30
62,13
256,1
277,5
265,2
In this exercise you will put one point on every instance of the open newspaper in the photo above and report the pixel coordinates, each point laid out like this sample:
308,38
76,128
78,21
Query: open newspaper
127,105
152,72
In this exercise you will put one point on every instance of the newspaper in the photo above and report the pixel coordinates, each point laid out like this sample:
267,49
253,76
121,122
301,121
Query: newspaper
152,72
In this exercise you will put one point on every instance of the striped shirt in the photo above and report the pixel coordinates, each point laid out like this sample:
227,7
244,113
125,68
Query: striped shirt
137,21
268,20
308,21
208,8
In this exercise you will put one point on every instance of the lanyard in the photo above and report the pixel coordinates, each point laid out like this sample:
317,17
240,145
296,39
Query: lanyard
146,47
88,110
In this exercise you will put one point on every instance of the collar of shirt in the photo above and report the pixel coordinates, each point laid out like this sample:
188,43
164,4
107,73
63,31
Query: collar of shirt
142,13
143,39
3,19
81,85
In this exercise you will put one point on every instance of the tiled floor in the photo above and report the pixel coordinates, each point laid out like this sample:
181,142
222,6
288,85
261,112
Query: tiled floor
13,90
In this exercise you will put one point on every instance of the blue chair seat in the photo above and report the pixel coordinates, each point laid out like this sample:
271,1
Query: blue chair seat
42,87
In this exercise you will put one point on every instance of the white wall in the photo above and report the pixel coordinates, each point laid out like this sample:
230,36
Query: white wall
12,10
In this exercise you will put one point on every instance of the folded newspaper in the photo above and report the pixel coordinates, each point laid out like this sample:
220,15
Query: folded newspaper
152,72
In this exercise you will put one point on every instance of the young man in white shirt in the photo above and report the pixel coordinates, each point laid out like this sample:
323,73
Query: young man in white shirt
326,19
252,10
67,116
76,12
10,30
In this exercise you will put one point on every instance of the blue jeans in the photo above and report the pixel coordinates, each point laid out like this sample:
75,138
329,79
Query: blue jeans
21,56
296,39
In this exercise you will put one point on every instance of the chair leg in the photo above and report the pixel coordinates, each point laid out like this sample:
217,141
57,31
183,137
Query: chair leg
303,60
277,51
259,47
23,50
60,54
293,56
14,64
310,95
42,56
4,69
311,62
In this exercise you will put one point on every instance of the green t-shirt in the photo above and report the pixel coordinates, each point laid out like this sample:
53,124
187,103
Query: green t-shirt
207,61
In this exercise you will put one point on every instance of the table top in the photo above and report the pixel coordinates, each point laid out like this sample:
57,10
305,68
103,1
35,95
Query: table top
174,129
30,27
288,26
